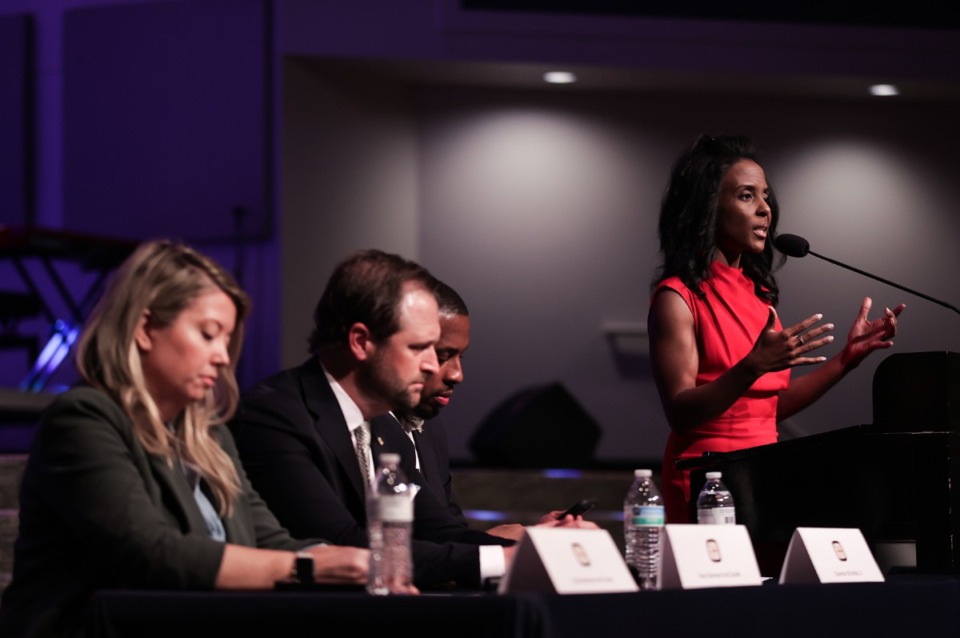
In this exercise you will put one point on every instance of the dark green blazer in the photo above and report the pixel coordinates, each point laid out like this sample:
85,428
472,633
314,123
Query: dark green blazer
99,512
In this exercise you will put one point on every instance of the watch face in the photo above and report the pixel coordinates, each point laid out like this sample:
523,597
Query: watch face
304,568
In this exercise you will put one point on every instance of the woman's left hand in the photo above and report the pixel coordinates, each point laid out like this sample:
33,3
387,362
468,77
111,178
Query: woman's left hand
866,335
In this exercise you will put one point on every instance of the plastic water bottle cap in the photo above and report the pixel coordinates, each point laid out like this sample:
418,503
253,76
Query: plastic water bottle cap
643,473
388,458
714,475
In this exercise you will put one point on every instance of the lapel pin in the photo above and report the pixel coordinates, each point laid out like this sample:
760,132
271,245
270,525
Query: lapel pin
380,441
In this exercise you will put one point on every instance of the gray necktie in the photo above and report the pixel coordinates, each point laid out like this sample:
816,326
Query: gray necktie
363,443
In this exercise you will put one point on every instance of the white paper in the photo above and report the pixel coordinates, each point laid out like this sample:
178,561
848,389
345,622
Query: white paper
829,555
567,561
697,556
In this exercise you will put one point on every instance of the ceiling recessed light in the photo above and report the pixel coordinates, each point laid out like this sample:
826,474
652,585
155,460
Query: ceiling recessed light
559,77
884,90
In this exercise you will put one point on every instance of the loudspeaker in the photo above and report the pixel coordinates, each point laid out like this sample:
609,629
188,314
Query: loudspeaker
539,427
917,392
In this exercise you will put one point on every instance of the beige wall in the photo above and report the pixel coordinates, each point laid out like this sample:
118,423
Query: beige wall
541,209
349,181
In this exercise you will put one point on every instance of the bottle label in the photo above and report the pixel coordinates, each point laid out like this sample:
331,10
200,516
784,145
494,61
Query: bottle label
717,516
648,515
396,509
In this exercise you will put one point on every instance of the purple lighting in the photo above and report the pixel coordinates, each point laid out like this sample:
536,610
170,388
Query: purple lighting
486,515
52,355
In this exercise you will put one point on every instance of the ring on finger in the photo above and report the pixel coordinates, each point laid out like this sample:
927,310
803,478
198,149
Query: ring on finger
800,339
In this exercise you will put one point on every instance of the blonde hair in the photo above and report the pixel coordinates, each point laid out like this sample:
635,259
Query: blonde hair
162,278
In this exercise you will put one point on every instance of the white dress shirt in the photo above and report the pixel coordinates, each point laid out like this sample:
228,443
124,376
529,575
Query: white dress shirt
493,564
354,419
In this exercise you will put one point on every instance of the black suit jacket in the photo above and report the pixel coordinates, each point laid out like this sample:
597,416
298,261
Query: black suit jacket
434,474
297,450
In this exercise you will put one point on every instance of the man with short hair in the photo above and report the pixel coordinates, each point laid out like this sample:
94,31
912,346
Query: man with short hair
308,436
432,456
429,438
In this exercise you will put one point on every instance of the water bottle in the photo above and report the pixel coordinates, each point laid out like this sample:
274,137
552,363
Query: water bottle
389,523
715,504
643,519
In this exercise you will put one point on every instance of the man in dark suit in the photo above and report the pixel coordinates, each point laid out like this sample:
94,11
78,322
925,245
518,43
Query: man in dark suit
424,427
432,457
302,433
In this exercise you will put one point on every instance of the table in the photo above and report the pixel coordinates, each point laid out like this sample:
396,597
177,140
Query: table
287,614
903,606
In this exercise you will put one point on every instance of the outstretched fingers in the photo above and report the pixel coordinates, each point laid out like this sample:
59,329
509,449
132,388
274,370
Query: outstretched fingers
890,321
788,347
807,336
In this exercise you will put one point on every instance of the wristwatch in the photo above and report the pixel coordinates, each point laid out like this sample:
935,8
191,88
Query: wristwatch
303,568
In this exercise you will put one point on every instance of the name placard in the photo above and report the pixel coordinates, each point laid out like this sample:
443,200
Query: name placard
567,561
697,556
829,555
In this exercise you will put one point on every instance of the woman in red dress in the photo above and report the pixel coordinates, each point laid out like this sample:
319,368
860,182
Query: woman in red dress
720,356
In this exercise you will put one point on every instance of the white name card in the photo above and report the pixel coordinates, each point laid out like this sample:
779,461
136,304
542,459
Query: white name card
697,556
829,555
567,561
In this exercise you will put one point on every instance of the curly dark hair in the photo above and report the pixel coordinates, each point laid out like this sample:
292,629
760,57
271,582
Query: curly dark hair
688,217
450,302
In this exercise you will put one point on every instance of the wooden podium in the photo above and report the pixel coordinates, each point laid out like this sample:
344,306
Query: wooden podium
897,479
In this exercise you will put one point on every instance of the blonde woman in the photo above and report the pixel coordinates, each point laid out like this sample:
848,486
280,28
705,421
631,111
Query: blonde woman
132,480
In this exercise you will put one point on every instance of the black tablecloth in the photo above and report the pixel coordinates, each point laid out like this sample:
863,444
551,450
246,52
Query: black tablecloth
902,607
926,606
128,614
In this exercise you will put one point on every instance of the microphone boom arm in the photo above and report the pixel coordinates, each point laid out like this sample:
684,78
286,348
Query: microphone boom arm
888,282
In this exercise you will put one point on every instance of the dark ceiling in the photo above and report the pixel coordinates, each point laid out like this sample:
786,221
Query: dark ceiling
942,15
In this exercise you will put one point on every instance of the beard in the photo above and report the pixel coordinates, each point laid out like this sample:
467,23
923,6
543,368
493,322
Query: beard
381,383
424,409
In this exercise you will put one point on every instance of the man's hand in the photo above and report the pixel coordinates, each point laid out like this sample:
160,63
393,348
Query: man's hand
551,520
511,531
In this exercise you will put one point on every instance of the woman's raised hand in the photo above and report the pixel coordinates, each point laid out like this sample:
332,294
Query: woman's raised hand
866,335
776,350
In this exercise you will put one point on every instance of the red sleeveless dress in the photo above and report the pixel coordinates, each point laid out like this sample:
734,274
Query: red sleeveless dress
727,322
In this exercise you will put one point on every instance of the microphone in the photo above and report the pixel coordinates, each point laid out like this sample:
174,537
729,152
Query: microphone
792,245
796,246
